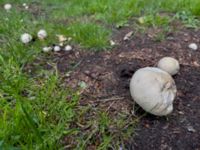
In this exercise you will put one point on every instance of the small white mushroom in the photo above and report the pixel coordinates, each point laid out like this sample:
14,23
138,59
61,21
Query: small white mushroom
56,48
112,43
7,7
46,49
193,46
154,90
24,4
26,38
42,34
169,65
26,7
68,48
61,38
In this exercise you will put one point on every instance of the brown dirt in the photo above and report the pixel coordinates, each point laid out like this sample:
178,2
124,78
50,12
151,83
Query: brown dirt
107,75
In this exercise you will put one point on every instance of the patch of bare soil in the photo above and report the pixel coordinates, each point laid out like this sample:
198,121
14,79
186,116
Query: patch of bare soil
107,75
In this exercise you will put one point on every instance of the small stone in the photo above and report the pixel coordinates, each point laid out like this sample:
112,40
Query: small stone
181,113
191,129
193,46
68,48
7,7
57,48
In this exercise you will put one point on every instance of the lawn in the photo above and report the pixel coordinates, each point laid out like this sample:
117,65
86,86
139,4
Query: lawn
40,108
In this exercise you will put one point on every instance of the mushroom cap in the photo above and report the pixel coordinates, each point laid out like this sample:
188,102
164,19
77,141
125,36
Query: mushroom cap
26,38
56,48
68,48
169,65
193,46
154,90
42,34
7,6
46,49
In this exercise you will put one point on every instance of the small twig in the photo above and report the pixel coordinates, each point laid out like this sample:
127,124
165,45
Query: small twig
110,99
110,106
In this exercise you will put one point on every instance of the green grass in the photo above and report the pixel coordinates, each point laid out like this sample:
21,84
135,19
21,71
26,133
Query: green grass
38,112
90,35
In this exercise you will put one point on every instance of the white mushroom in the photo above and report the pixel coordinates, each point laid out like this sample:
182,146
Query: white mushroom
61,38
24,4
26,7
56,48
169,65
26,38
112,43
46,49
7,7
68,48
193,46
42,34
154,90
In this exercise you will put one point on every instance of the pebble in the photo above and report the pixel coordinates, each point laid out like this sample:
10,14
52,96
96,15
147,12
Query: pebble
193,46
191,129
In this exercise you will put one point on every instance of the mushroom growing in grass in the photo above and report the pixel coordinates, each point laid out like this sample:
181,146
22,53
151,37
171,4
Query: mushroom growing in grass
56,48
154,90
46,49
169,65
42,34
26,38
7,7
68,48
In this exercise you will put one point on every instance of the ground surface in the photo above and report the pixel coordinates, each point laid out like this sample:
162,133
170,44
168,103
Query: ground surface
107,75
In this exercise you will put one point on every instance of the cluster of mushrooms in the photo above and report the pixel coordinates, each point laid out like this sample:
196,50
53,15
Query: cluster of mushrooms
154,89
42,34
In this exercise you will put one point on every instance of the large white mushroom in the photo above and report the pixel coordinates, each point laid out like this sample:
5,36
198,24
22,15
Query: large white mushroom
169,65
26,38
42,34
154,90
